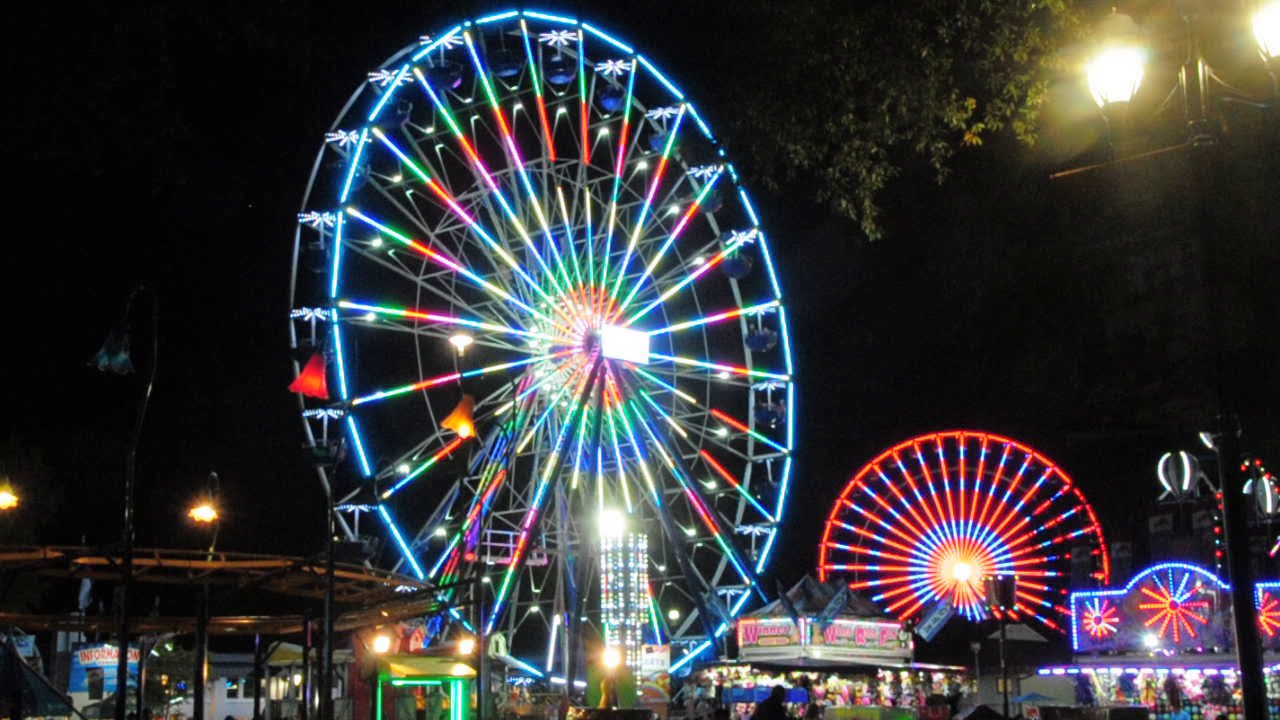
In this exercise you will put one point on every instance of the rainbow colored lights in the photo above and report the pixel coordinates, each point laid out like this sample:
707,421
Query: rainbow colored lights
520,211
933,518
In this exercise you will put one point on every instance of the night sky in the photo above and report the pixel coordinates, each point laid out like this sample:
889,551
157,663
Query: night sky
169,144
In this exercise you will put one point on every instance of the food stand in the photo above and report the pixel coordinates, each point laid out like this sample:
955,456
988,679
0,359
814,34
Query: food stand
837,654
1163,641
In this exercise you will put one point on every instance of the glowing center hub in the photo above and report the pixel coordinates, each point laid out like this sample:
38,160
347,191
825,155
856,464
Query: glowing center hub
619,343
962,571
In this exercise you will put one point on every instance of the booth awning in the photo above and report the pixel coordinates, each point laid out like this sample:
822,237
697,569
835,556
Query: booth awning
422,666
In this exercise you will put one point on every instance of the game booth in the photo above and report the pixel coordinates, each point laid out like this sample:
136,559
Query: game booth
1164,641
830,649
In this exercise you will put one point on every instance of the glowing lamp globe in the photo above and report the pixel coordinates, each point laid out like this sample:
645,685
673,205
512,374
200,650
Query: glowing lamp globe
466,645
1115,74
204,513
461,341
381,643
1266,29
8,499
612,658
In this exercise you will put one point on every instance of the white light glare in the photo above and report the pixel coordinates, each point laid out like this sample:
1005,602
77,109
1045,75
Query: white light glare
1115,74
1150,640
1266,29
461,341
612,523
619,343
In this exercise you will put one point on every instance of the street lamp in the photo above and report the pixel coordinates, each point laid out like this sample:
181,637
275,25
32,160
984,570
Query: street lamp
115,357
1266,30
205,513
8,496
1113,76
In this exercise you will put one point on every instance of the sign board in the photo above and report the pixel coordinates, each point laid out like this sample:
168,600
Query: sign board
933,620
765,638
654,686
93,669
862,637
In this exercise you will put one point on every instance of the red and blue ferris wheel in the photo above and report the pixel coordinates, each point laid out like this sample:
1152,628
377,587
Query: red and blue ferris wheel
930,520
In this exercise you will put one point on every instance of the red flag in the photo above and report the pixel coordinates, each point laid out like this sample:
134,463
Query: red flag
311,381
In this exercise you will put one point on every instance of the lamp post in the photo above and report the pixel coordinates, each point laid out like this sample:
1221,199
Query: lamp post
204,512
114,356
1114,75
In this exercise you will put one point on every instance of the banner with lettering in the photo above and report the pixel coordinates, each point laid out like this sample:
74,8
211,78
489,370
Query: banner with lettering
862,637
93,669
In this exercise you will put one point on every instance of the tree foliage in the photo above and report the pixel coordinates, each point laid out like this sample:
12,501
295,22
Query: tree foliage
858,91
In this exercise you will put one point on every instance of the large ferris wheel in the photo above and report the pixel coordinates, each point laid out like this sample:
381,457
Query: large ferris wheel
553,336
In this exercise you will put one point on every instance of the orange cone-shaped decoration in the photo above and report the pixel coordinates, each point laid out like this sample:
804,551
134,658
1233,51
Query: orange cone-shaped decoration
311,381
461,420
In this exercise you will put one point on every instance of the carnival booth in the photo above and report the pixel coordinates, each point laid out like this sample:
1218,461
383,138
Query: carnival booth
1164,641
832,650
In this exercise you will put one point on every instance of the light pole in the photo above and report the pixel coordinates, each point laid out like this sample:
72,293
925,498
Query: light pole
204,512
114,356
1114,75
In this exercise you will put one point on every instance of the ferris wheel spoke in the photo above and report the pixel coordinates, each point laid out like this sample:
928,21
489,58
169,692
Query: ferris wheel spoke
416,314
654,183
674,235
548,137
540,495
535,199
457,375
736,241
476,228
481,171
620,156
719,367
750,310
674,464
448,262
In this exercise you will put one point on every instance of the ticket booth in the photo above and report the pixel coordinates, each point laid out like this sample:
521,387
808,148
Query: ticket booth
413,687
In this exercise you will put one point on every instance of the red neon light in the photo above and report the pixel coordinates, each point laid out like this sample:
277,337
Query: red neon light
1269,614
933,517
1173,611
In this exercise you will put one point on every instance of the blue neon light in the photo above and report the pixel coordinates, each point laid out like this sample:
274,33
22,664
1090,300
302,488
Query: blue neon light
608,38
337,257
386,95
404,547
342,365
660,77
551,18
359,446
497,16
355,163
436,43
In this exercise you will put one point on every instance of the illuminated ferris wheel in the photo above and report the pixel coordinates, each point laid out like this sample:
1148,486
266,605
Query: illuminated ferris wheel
930,520
552,338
